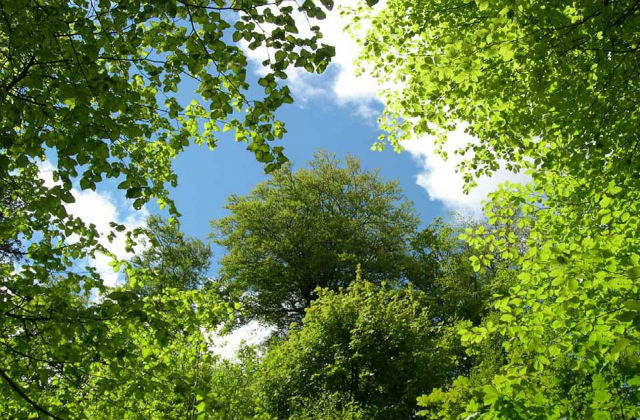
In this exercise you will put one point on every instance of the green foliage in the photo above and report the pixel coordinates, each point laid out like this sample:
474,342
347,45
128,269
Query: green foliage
298,231
442,265
232,388
165,366
547,84
569,327
170,259
552,88
174,359
366,353
483,359
124,349
93,86
544,297
328,407
10,246
127,353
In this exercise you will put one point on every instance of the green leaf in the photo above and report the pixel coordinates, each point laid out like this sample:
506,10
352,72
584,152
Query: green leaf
634,272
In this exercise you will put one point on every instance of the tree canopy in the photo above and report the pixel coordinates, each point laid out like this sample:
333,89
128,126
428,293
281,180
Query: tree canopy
89,88
551,88
533,312
170,259
311,228
544,84
441,265
369,349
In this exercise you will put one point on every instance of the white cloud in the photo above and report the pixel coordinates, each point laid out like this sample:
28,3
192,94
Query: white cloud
101,208
339,82
45,172
364,96
227,346
441,181
361,90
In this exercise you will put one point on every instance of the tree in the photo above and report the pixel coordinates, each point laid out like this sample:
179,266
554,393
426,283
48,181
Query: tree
11,245
92,86
308,229
365,352
171,349
164,367
569,325
147,356
442,265
232,387
170,259
551,88
543,85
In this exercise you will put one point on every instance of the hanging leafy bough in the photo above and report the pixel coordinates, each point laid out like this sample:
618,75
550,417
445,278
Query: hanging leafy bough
92,85
550,82
551,88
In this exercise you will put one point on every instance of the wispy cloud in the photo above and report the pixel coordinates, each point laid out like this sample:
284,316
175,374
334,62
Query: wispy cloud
227,346
363,95
101,208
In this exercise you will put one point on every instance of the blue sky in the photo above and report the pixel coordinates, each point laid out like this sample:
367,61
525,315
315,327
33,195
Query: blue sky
207,178
336,112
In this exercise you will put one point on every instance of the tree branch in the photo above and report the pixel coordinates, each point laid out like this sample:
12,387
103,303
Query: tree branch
20,392
22,74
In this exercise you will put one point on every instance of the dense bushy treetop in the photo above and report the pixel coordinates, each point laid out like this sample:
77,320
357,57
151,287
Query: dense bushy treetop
372,348
311,228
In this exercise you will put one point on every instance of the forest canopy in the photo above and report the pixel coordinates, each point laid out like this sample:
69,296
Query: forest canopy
530,311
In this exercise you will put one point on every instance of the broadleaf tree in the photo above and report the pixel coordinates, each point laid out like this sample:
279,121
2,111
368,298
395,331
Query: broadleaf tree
311,228
550,88
442,264
92,87
171,259
363,352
